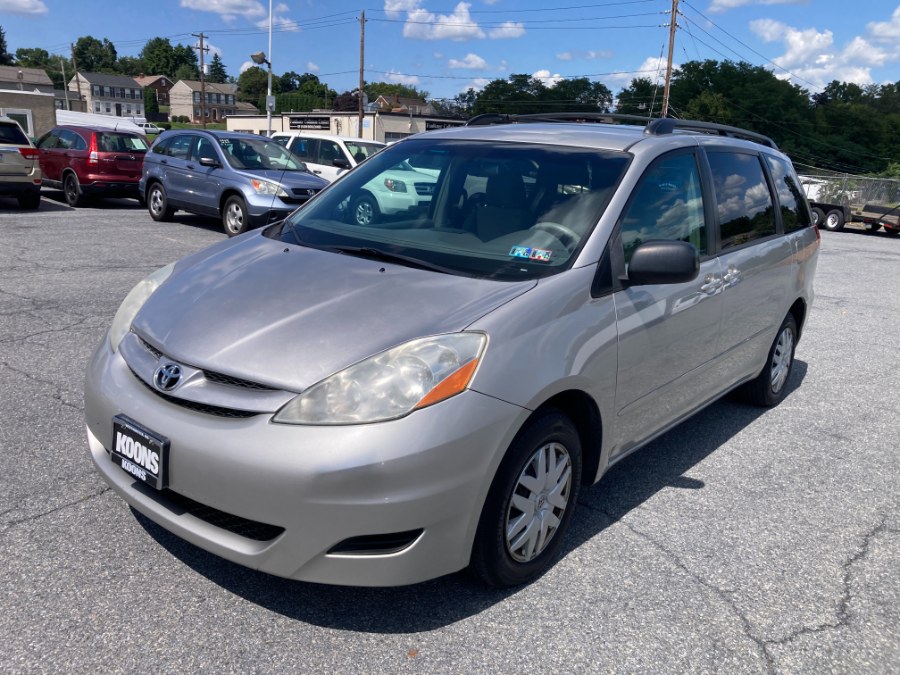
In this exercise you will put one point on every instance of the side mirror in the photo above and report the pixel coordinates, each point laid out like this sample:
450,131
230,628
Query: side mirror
209,161
663,262
342,163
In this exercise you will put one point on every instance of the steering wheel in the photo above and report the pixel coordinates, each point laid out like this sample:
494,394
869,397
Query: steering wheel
567,236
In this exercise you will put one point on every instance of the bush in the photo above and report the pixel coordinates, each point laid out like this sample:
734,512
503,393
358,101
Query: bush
165,125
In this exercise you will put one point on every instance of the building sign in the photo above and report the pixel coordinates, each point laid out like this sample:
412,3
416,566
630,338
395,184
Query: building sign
431,125
313,123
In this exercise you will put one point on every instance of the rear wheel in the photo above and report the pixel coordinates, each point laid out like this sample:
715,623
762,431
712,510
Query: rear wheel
768,388
834,220
235,219
818,216
873,228
158,204
72,191
31,200
530,504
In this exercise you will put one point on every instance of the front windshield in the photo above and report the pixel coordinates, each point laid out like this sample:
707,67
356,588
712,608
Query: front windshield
478,208
259,154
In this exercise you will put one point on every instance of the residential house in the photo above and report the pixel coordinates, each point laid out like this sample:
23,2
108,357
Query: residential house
393,103
161,84
26,95
106,94
185,100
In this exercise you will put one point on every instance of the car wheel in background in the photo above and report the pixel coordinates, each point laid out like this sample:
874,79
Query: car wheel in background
158,204
530,503
768,388
818,216
32,200
72,191
364,211
834,220
234,218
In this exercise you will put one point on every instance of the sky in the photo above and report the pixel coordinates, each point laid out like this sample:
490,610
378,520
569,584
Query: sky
445,48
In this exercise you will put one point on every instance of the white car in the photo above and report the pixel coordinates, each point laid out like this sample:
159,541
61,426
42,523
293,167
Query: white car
399,191
326,155
150,128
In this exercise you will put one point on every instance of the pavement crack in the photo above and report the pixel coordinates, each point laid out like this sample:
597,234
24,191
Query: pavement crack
843,615
37,516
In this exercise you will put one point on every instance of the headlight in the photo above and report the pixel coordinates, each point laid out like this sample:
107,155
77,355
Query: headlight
133,302
394,185
392,384
264,187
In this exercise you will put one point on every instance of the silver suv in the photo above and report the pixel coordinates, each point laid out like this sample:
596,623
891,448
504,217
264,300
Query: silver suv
385,403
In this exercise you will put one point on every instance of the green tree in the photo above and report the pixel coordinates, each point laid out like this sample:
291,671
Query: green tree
641,97
158,57
32,57
252,84
217,71
151,103
375,89
6,59
130,65
186,72
94,55
183,55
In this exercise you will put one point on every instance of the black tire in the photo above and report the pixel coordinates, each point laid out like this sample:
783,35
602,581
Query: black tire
873,228
364,211
834,220
235,219
891,232
29,200
158,204
818,216
767,389
500,562
72,191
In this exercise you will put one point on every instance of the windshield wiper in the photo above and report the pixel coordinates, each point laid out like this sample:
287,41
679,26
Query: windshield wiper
387,256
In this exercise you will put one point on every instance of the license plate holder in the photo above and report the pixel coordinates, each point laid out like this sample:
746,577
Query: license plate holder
141,453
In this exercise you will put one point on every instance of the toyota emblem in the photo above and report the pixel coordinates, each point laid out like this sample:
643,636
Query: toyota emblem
167,376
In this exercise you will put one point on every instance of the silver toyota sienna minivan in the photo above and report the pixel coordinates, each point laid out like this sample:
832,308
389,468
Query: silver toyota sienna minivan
382,404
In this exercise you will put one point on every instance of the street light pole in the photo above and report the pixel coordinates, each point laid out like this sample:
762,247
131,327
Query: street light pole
259,58
269,102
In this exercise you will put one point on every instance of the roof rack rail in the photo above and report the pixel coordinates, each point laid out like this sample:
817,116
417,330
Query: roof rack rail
668,125
654,127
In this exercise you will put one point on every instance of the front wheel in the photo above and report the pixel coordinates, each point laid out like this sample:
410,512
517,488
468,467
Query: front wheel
235,219
364,211
530,503
834,220
768,388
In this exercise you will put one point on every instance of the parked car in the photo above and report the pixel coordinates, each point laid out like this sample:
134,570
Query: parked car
92,162
150,128
386,403
327,155
245,180
20,171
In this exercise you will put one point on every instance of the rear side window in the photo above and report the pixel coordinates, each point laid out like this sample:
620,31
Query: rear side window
11,133
304,148
329,151
112,142
743,201
666,204
794,214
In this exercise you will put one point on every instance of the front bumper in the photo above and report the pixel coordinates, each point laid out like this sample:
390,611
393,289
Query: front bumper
429,471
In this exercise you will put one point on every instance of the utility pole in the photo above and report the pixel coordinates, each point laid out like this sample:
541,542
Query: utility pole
62,65
77,79
672,26
202,49
362,51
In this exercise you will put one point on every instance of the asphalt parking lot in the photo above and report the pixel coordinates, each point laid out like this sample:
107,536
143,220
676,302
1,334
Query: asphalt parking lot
743,541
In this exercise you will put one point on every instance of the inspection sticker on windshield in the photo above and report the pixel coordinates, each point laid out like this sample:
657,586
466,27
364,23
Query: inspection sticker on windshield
538,254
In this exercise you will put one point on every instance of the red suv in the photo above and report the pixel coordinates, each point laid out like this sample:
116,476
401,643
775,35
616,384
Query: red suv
90,162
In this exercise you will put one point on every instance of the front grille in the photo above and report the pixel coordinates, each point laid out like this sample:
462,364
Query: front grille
243,527
218,378
303,192
204,408
425,188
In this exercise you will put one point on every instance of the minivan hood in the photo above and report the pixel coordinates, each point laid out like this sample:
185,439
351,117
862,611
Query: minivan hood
288,316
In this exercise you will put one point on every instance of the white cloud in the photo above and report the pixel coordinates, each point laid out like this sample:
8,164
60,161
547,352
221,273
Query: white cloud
718,6
438,55
813,59
280,22
458,26
587,56
545,76
400,78
888,31
394,8
472,61
212,50
565,56
249,9
312,67
653,68
23,6
507,31
477,84
245,65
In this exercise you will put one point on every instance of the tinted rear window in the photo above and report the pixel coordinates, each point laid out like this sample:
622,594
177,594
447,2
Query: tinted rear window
11,133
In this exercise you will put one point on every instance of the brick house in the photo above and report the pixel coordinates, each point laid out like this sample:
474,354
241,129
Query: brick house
161,84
